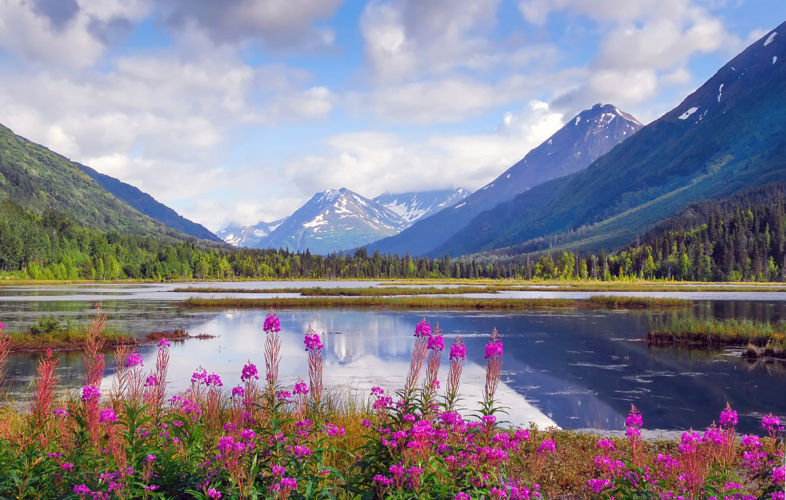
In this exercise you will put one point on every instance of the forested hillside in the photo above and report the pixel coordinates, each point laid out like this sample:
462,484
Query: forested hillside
735,239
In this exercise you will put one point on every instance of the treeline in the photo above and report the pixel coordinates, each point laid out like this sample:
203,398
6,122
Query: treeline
52,247
740,238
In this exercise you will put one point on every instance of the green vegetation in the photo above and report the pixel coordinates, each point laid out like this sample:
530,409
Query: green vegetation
40,180
713,332
347,292
50,333
421,302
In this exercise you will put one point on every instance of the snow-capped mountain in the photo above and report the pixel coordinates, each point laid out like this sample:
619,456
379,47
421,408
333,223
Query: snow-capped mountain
414,206
334,220
588,136
248,236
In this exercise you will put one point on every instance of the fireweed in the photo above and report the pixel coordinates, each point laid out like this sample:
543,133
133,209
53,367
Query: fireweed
235,442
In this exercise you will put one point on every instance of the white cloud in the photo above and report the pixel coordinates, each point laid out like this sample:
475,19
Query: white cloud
277,23
646,45
373,162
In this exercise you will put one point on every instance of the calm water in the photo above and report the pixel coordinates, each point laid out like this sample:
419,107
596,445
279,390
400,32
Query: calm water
572,369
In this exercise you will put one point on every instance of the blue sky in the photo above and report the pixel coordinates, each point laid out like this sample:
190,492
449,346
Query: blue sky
240,110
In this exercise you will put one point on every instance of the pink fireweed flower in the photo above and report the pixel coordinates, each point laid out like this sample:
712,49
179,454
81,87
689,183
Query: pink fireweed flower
133,360
634,420
300,389
214,380
436,343
377,391
547,446
333,430
150,458
598,485
248,434
423,329
770,422
728,417
462,496
633,432
2,326
81,489
272,323
778,477
67,466
151,381
607,444
213,493
278,470
90,393
249,372
284,396
199,376
238,392
312,342
108,416
60,412
163,344
689,441
458,352
494,350
489,419
288,483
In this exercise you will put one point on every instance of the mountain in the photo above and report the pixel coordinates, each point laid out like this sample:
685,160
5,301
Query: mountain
248,236
727,136
37,179
415,206
148,205
578,143
334,220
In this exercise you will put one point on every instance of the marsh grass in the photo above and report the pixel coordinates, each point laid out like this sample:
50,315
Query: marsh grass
424,302
711,332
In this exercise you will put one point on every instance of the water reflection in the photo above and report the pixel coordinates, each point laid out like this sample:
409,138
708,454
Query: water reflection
576,369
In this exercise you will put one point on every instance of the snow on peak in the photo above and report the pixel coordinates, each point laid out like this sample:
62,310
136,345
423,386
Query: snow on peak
720,92
578,119
686,115
770,38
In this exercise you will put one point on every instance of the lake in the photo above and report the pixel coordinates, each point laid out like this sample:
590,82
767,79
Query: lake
574,369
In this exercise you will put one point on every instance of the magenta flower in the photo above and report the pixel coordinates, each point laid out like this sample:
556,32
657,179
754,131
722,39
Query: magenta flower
333,430
163,344
462,496
458,351
300,388
278,470
249,372
81,489
213,493
770,422
151,381
238,392
288,483
133,360
214,380
199,376
108,416
634,420
67,466
728,417
312,342
489,419
150,458
598,485
436,343
606,443
377,391
547,446
272,323
60,412
2,326
284,396
494,350
778,477
90,393
423,329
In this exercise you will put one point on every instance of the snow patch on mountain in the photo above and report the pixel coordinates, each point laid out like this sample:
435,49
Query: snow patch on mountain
770,38
414,206
686,115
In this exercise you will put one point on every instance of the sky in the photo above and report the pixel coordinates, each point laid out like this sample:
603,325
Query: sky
241,110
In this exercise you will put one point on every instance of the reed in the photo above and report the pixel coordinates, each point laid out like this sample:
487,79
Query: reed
419,302
713,332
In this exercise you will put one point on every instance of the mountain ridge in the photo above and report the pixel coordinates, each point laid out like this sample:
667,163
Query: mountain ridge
726,136
582,139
